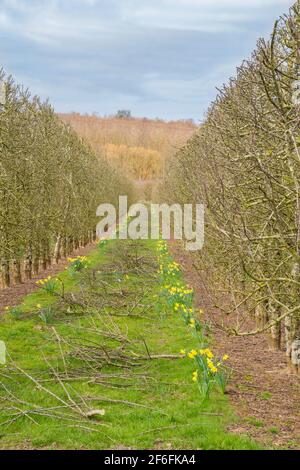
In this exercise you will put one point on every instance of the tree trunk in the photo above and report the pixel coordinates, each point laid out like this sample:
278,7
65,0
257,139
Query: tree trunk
261,316
48,254
5,273
69,246
64,247
17,272
44,256
57,254
28,264
36,261
288,338
275,331
292,333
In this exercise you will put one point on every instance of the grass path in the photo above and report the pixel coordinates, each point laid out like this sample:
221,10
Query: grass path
87,348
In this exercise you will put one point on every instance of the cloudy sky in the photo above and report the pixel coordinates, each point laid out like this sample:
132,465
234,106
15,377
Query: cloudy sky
158,58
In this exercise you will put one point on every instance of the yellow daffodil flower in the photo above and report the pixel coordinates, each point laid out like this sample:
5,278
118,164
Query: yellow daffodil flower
211,366
192,354
195,376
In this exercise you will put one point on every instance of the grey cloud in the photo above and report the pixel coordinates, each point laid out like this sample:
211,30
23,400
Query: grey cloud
94,55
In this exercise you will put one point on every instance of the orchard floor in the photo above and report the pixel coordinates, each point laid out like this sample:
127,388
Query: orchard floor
264,394
103,339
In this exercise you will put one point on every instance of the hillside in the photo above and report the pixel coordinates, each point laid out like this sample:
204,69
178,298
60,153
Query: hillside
138,147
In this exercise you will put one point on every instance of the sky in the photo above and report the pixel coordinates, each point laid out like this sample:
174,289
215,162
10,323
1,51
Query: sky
157,58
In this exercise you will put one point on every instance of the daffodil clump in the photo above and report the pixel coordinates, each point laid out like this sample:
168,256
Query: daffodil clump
15,312
47,314
162,247
179,298
170,269
209,372
49,284
78,264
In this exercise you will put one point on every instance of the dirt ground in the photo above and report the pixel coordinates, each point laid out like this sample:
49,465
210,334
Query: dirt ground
13,296
263,393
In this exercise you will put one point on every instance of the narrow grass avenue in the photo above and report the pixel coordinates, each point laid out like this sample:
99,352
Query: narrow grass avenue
97,359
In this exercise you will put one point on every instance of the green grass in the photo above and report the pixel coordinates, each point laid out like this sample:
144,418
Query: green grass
172,412
70,284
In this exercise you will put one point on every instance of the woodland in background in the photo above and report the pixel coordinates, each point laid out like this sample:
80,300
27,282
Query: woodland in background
244,164
51,183
139,148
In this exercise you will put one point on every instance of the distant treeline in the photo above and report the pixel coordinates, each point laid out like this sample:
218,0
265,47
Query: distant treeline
139,147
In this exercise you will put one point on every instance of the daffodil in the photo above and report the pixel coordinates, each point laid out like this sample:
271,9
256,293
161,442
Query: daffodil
211,366
206,352
225,358
192,354
209,354
195,376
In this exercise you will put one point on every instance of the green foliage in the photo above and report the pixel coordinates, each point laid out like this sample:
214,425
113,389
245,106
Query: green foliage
16,312
266,395
47,315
